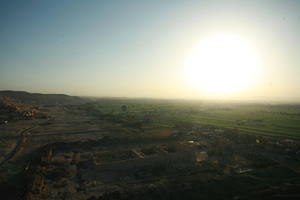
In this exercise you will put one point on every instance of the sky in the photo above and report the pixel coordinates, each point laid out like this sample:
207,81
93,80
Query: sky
138,48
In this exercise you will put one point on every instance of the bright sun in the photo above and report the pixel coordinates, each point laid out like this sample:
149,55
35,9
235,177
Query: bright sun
222,65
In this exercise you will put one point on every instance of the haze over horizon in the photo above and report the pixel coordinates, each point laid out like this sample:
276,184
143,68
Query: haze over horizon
140,49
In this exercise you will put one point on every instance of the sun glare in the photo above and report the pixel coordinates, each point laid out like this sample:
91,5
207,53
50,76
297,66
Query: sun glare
222,65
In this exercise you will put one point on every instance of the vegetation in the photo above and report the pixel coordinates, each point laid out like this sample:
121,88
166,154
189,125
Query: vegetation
280,120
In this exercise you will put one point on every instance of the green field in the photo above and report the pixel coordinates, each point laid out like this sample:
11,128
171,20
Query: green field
280,120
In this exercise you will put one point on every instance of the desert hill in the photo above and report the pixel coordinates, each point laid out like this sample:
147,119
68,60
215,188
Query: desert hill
37,98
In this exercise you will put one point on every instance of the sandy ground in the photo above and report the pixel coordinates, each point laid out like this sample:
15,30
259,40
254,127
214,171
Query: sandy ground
20,138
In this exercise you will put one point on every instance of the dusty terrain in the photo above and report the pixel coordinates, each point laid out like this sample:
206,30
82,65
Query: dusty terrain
21,135
69,152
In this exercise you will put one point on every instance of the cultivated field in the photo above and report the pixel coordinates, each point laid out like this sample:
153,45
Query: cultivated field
278,120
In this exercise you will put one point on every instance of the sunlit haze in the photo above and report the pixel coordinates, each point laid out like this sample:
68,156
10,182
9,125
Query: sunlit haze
240,50
222,65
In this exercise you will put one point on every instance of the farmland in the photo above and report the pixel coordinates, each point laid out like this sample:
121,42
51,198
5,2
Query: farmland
278,120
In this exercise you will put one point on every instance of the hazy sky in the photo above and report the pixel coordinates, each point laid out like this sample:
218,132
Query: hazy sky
138,48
